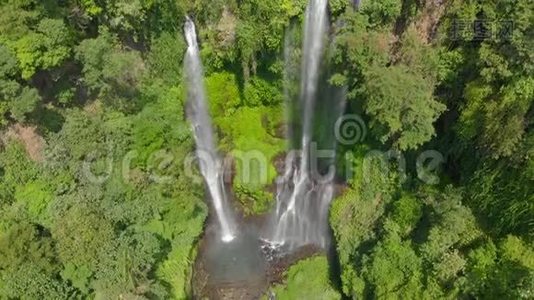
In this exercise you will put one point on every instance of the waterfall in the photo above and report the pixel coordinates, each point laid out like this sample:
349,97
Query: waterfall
301,215
315,26
210,163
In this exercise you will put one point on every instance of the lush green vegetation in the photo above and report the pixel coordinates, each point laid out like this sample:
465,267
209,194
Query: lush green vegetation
308,279
94,200
472,100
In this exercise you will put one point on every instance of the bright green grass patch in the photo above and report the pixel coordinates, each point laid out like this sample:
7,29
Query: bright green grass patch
247,131
308,279
35,195
254,149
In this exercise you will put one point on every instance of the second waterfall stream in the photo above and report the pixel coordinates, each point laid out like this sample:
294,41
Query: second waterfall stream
303,196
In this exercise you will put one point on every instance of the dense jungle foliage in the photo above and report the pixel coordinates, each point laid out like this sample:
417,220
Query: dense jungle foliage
94,201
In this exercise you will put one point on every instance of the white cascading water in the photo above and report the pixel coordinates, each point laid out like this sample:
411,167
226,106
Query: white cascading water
301,215
202,128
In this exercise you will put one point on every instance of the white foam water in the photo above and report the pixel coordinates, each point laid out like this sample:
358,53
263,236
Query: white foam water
301,215
198,115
